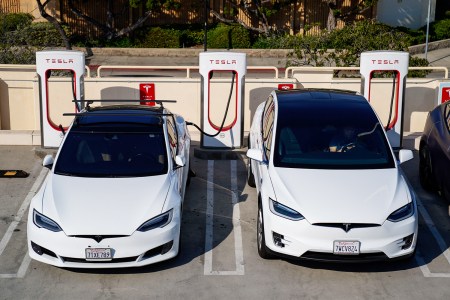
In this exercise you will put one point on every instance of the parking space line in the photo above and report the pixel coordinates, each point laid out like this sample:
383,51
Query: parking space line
238,249
209,218
440,241
239,256
22,269
5,240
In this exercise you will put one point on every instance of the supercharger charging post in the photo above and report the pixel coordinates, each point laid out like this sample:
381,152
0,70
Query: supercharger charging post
52,122
396,63
222,95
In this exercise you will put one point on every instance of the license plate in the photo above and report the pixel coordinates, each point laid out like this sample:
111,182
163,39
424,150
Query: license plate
346,247
98,254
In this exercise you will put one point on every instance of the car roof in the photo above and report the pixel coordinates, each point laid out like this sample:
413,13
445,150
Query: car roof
121,114
315,95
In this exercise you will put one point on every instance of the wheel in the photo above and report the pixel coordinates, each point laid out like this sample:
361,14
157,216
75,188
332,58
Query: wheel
425,169
263,251
250,176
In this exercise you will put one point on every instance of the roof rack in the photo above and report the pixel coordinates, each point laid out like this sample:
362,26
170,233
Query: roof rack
89,102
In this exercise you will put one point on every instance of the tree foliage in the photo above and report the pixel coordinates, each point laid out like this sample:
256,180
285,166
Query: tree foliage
335,14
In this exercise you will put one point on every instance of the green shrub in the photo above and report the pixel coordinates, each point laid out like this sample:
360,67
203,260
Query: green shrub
418,62
228,37
442,29
11,22
42,34
284,41
348,43
156,37
189,38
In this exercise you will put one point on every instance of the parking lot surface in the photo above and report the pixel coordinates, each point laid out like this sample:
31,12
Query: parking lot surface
218,257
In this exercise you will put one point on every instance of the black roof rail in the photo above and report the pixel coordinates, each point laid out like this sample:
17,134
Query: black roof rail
91,101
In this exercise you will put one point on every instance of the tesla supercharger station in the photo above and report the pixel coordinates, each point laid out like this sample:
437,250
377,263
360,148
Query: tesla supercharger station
222,83
46,62
396,62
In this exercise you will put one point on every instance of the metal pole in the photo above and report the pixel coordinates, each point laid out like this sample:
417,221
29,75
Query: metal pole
205,37
428,29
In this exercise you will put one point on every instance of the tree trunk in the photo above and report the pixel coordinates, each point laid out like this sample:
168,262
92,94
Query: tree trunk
331,20
55,23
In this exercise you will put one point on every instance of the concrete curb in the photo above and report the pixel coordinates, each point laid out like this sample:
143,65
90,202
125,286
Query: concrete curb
418,49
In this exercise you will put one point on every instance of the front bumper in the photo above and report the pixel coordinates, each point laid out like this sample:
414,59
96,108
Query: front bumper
302,240
138,249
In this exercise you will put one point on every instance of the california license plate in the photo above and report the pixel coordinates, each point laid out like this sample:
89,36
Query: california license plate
98,254
346,247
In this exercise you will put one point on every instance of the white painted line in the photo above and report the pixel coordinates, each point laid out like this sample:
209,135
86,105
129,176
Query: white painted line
207,269
239,253
440,241
238,249
22,269
5,240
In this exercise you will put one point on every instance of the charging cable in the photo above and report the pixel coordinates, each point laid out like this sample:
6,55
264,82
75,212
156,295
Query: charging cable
225,115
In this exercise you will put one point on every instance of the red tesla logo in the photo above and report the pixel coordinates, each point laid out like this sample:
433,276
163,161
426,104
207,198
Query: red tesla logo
147,92
445,94
384,62
222,61
59,61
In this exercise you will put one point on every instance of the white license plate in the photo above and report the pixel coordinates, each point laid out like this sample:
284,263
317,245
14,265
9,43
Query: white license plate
346,247
98,254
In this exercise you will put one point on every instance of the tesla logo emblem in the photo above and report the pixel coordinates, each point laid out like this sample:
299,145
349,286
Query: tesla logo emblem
98,238
147,87
222,61
445,94
59,61
346,227
384,62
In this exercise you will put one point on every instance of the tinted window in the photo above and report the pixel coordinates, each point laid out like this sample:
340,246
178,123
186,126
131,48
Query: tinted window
447,115
112,151
173,141
336,137
267,126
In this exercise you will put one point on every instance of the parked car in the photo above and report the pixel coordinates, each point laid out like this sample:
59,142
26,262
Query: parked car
329,186
434,151
114,193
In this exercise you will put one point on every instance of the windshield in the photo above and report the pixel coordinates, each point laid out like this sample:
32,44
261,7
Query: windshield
337,138
112,151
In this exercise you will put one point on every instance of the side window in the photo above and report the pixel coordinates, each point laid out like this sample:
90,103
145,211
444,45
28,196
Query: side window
173,139
267,126
447,116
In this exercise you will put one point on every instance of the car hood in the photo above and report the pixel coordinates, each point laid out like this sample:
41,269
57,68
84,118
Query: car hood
341,196
103,206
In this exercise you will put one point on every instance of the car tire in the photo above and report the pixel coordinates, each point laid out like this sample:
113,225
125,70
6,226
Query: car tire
263,251
250,176
425,169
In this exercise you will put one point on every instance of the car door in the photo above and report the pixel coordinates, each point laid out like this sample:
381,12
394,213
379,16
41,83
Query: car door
445,145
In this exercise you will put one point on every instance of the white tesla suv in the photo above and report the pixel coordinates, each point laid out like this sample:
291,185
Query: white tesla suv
329,186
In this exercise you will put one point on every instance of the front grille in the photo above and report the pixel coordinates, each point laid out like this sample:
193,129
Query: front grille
347,226
330,257
98,238
114,260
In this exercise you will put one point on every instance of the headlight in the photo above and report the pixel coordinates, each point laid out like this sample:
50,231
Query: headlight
284,211
42,221
402,213
157,222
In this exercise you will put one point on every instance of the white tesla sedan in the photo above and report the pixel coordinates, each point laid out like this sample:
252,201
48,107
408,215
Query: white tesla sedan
114,193
329,186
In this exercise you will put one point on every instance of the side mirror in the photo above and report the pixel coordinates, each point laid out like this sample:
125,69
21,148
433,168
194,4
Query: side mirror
405,155
255,154
48,161
180,161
